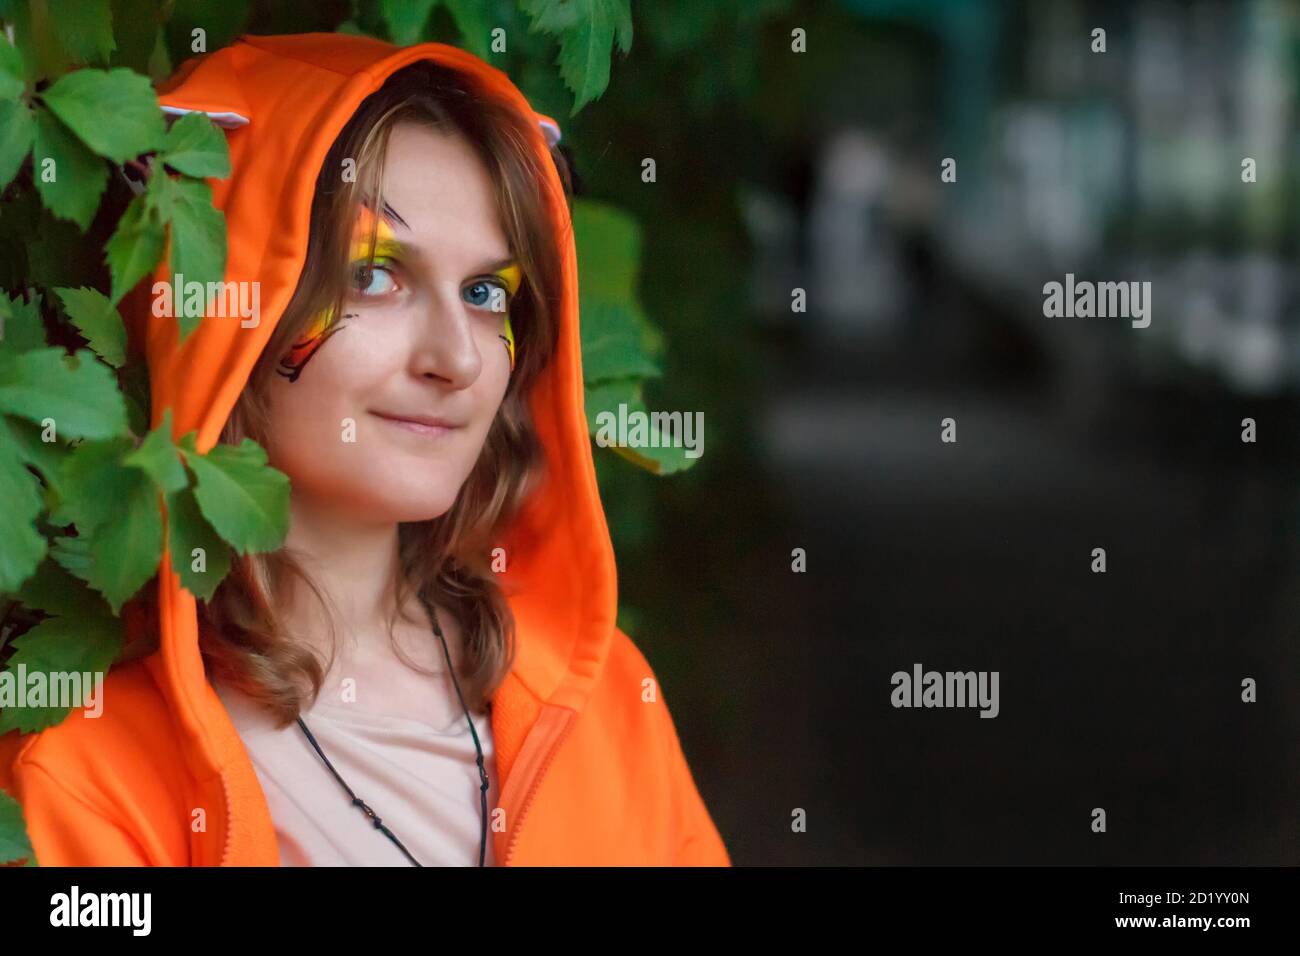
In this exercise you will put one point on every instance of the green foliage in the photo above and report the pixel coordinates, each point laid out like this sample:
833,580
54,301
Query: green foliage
136,246
17,133
97,321
246,501
75,391
23,544
69,177
620,348
587,30
61,645
14,844
197,232
196,148
406,18
86,99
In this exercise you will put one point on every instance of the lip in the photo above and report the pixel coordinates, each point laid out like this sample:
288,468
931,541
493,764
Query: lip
427,425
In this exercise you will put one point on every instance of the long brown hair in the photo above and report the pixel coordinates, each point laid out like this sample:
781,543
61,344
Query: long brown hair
447,560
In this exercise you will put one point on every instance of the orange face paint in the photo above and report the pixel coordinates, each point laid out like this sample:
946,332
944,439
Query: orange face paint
386,248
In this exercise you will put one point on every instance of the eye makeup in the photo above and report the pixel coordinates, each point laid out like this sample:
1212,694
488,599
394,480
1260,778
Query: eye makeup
316,334
386,249
512,277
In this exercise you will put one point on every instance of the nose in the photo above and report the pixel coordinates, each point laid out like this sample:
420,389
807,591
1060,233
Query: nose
444,347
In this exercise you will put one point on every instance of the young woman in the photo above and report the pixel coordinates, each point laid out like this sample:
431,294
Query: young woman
428,672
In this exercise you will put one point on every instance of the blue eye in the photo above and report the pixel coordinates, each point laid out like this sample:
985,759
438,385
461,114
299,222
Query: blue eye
487,294
372,279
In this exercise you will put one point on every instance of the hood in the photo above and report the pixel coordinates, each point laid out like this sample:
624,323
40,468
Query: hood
282,101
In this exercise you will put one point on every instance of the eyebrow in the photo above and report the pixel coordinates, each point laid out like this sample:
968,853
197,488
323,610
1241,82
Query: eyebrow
390,214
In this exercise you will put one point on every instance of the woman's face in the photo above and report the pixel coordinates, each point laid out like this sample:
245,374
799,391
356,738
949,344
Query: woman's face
382,411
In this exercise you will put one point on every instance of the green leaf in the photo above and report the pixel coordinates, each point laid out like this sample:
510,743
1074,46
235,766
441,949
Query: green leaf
187,530
21,546
17,133
159,459
97,320
613,343
93,479
73,555
406,18
135,391
78,392
45,457
14,844
587,30
58,646
69,177
85,29
56,592
195,147
608,241
114,112
475,24
43,55
136,245
136,32
244,498
60,254
12,74
22,329
117,512
198,249
617,340
604,400
127,547
198,241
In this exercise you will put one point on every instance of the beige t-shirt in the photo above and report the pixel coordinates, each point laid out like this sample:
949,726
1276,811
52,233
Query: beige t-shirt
418,774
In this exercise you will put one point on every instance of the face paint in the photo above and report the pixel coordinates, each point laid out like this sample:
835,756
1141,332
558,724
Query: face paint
386,249
512,277
322,327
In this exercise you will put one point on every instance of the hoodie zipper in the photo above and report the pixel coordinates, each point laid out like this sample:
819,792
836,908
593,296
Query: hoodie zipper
230,817
552,747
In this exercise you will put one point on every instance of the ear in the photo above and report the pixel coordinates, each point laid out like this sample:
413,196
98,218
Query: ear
224,119
137,174
550,129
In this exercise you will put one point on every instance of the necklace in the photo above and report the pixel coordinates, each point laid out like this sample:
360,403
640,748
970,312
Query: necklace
482,772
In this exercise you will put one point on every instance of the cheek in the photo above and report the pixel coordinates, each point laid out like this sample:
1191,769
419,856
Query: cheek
385,474
307,415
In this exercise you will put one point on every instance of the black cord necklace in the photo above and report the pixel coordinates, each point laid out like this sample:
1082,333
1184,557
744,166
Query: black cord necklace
482,771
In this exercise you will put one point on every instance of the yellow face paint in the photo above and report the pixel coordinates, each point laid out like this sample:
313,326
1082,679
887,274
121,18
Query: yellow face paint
386,248
512,276
387,245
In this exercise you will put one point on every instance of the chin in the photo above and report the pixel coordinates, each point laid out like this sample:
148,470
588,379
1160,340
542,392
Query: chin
403,509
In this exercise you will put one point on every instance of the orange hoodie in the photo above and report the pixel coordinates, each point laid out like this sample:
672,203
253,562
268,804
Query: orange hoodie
589,772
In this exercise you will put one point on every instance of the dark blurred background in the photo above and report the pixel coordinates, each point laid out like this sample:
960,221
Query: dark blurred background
821,171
